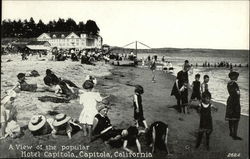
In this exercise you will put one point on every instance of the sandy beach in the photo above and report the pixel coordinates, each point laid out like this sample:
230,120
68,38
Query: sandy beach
117,82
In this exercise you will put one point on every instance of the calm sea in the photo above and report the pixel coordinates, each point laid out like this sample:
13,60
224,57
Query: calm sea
218,76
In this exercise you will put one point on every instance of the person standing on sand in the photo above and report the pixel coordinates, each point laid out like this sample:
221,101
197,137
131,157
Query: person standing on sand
206,124
138,109
233,108
89,101
204,85
153,67
180,90
196,94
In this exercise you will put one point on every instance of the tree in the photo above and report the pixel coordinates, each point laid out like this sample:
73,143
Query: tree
51,26
29,29
32,31
81,27
92,28
41,27
71,25
7,30
60,25
26,29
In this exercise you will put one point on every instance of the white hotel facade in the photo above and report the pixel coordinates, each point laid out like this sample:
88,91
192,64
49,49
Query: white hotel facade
72,40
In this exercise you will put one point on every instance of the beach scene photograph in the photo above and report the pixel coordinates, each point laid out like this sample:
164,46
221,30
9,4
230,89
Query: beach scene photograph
125,79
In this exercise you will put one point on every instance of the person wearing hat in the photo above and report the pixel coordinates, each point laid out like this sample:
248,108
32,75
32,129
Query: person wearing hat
138,108
50,79
39,125
102,127
233,108
64,125
180,88
9,126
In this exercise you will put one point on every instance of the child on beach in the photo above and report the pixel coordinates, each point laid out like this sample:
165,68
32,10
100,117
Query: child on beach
39,125
22,85
180,88
130,138
138,110
64,125
157,136
196,94
206,125
153,67
89,101
9,126
204,85
233,108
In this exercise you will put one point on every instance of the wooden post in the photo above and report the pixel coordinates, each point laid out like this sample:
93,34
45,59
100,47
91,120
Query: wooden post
136,48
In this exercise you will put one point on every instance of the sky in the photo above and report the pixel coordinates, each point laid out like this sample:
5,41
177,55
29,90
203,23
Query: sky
176,24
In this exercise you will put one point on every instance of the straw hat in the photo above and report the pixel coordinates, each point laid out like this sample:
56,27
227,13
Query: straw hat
36,122
60,119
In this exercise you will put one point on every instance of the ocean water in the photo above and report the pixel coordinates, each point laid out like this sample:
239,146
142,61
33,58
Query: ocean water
218,76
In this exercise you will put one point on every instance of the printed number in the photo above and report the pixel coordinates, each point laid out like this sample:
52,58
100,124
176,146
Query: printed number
233,155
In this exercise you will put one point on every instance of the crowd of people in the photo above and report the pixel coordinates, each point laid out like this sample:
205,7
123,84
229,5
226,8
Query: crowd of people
94,122
201,93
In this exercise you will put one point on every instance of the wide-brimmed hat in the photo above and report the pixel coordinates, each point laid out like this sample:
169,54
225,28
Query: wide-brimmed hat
20,75
233,74
36,122
88,84
60,119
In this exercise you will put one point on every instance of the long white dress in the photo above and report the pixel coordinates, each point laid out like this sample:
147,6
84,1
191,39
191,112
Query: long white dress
89,101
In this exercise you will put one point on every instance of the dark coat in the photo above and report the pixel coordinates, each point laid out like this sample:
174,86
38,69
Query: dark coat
182,77
233,102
